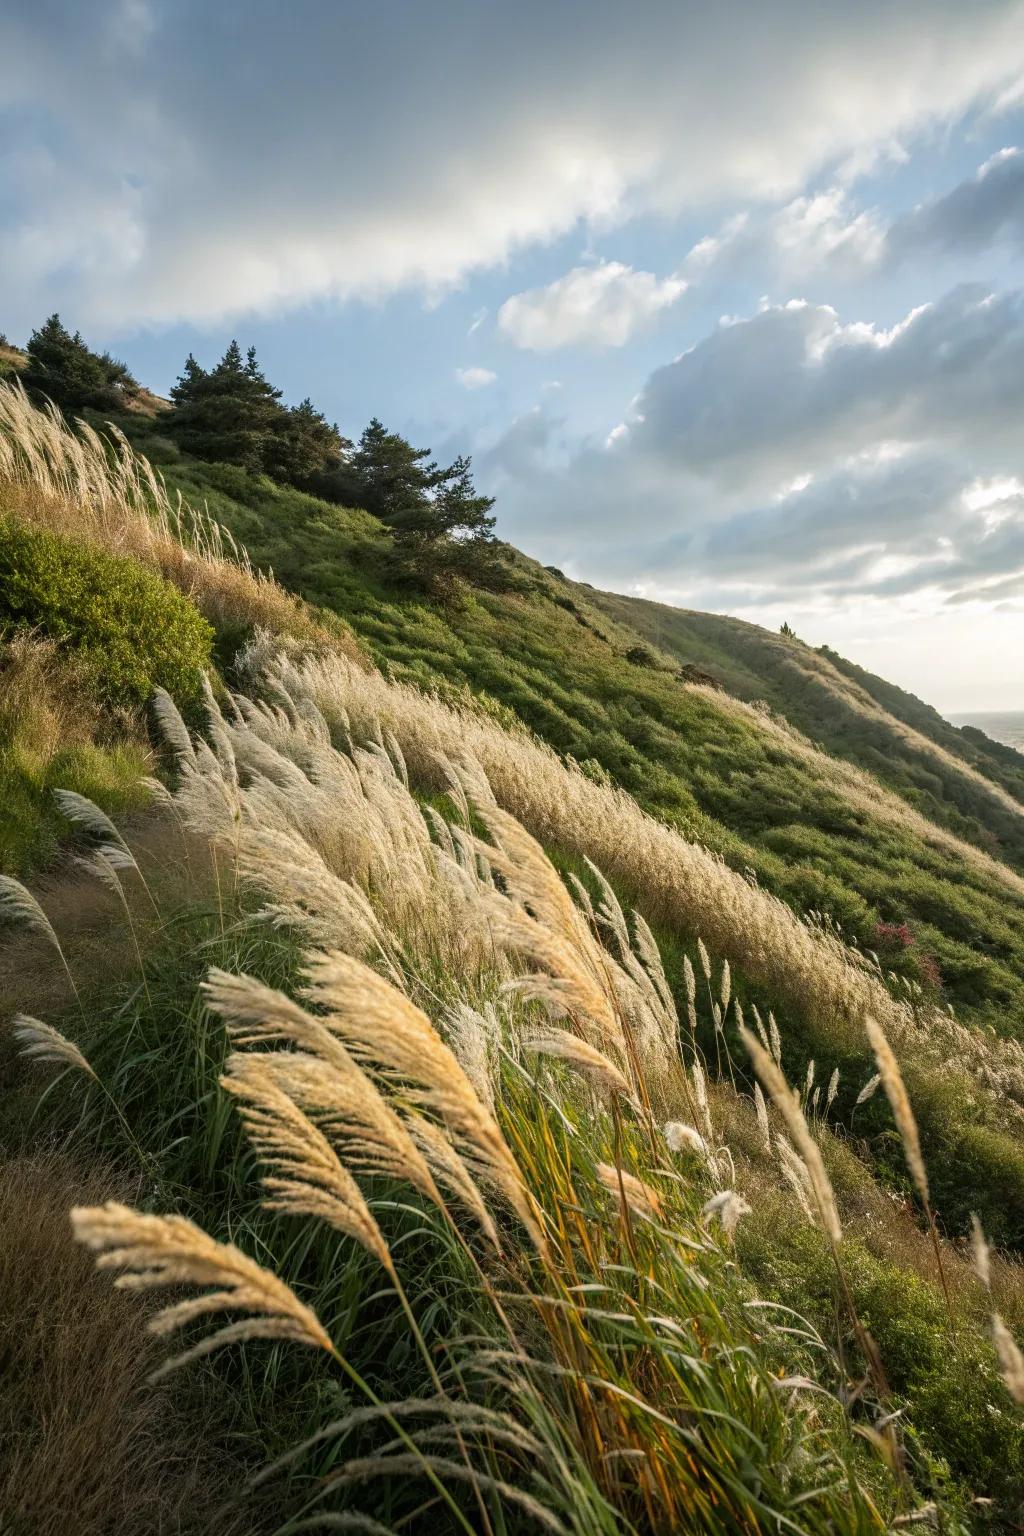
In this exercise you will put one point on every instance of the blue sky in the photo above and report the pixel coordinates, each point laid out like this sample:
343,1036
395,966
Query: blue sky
727,302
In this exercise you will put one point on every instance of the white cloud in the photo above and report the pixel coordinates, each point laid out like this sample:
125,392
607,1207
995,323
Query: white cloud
600,306
794,457
826,232
787,391
243,178
475,378
808,234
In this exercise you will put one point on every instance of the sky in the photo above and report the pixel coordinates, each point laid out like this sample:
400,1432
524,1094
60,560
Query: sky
726,301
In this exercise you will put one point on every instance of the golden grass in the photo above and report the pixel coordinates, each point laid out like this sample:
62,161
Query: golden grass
675,882
527,972
91,488
156,1252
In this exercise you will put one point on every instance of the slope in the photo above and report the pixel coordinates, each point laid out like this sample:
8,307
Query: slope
323,782
958,778
813,829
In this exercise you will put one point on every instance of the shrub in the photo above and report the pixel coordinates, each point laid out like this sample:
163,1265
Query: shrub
134,628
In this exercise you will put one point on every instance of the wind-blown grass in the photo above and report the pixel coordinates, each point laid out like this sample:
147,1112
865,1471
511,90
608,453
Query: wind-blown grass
453,1127
621,1327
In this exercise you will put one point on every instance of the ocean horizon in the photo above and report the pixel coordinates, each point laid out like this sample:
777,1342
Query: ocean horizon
1006,725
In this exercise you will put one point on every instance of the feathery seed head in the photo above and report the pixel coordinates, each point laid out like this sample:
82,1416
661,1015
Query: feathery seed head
158,1251
584,1058
1011,1360
640,1197
45,1043
869,1089
786,1103
307,1177
683,1138
980,1254
728,1208
896,1093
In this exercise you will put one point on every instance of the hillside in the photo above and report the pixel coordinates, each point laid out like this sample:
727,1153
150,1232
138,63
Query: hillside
933,842
955,776
442,962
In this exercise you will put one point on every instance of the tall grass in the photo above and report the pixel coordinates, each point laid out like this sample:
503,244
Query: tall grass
677,883
622,1376
100,489
475,1112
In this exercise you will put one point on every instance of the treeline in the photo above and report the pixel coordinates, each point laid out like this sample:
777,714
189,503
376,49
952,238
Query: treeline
443,530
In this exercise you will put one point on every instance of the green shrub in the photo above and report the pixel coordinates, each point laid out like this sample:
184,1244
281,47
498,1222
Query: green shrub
134,629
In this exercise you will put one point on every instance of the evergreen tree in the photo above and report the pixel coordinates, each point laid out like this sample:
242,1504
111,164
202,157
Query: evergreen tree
385,474
306,450
442,527
230,414
233,415
63,369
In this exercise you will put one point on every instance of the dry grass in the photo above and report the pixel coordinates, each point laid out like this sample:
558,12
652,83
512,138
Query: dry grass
87,487
85,916
47,697
86,1446
331,837
675,882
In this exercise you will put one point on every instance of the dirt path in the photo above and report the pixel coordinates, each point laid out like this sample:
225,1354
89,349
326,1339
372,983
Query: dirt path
89,919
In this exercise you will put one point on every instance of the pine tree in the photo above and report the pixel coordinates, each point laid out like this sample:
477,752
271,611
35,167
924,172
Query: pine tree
230,414
63,369
442,527
306,450
234,415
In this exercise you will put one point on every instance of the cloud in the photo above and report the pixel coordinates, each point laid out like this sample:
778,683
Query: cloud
475,378
760,401
368,150
985,208
809,233
794,455
600,306
826,232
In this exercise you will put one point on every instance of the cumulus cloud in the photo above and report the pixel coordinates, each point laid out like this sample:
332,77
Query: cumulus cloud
987,207
600,306
760,401
348,151
475,378
794,453
802,236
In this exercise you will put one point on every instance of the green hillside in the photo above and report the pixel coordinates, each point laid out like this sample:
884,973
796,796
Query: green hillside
423,986
601,679
947,772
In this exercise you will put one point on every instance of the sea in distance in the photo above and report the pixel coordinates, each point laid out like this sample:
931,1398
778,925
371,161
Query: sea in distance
1006,726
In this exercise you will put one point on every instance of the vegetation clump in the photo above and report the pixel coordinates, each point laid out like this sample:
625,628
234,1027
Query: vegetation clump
135,630
62,368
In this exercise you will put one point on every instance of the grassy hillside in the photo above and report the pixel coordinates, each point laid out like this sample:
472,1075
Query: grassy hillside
558,655
956,777
482,1197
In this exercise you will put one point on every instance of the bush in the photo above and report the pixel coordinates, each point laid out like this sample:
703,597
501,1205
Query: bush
133,628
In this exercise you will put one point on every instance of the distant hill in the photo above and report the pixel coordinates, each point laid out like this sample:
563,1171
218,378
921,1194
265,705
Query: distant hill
957,776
